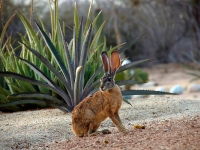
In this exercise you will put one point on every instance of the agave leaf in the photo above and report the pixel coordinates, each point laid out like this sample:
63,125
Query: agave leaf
12,105
33,95
69,62
30,31
126,101
144,92
22,102
3,98
76,20
90,89
75,50
56,20
18,87
24,40
83,58
5,28
97,36
79,43
37,95
87,89
96,18
126,46
4,91
37,71
77,86
95,52
41,22
130,65
87,24
54,53
2,46
85,47
13,108
116,47
93,91
104,43
39,83
52,68
6,42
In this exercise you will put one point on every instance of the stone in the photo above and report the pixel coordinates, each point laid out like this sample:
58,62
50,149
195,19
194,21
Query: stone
193,88
178,89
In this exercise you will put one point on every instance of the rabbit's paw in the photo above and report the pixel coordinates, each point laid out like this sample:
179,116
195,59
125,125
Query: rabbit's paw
96,133
105,131
122,129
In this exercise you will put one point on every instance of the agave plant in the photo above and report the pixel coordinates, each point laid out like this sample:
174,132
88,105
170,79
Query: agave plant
52,72
3,45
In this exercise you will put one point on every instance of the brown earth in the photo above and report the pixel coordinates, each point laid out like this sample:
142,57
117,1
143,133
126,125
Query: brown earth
181,134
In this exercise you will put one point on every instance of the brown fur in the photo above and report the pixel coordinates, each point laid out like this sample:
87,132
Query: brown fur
88,114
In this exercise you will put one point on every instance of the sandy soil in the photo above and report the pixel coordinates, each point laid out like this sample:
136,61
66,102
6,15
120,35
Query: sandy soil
171,122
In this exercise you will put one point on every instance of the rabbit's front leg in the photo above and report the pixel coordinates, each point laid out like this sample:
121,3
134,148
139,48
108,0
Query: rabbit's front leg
93,127
93,130
116,120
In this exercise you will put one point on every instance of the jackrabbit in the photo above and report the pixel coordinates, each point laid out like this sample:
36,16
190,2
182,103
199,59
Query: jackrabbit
88,114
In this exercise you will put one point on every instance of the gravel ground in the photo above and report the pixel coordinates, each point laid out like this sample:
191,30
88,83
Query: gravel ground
48,129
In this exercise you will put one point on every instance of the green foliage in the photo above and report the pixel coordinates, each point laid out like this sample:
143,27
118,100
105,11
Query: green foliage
140,75
52,72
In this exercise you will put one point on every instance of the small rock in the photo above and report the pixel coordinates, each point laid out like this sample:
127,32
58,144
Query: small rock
106,131
178,89
193,88
137,126
105,141
166,129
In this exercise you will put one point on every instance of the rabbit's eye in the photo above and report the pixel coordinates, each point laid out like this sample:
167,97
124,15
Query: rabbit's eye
109,79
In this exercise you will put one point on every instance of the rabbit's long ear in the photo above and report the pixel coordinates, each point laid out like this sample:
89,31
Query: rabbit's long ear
115,61
106,61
